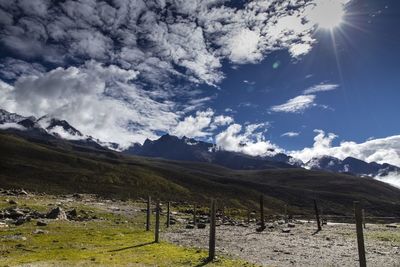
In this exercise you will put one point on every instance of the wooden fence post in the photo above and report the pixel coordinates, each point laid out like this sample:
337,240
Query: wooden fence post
360,235
223,214
317,215
262,226
157,230
168,214
148,213
194,215
211,247
248,216
363,218
286,214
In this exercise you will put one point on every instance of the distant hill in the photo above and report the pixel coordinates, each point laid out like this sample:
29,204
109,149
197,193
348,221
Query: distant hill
62,169
58,132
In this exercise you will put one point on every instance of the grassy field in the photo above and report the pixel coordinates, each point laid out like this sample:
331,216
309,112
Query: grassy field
114,240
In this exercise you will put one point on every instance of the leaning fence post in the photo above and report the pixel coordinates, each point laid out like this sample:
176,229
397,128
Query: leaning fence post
148,213
360,235
262,212
168,214
317,215
211,247
157,230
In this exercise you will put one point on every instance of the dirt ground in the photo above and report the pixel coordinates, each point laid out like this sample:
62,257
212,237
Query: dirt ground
335,245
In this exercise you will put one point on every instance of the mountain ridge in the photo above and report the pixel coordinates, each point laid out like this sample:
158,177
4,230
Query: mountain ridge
47,129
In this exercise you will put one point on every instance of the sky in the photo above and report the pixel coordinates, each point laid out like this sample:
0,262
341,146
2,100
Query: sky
307,78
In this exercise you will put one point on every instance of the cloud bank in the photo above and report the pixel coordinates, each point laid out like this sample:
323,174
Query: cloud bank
382,150
122,71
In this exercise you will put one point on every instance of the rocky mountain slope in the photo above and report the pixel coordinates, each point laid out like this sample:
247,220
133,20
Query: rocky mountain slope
56,131
65,169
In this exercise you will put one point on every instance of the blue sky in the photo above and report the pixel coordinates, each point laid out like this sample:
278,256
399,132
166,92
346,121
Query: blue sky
301,77
366,103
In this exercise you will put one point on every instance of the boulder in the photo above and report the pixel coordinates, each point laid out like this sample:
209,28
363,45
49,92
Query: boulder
72,214
20,221
57,213
14,213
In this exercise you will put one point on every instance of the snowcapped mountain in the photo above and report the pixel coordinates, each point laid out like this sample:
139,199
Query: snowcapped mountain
48,129
188,149
8,117
60,128
351,165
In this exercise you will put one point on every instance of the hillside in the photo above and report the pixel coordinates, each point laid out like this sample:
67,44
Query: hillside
69,169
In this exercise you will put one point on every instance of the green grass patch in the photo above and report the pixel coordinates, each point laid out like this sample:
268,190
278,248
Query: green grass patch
385,235
116,240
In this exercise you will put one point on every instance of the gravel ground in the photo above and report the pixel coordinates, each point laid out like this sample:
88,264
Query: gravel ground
335,245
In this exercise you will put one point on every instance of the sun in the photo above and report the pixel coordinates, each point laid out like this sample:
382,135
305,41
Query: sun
328,14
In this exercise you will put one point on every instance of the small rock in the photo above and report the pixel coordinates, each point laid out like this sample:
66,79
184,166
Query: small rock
23,192
260,229
201,225
291,225
39,231
285,230
12,202
391,226
41,223
189,226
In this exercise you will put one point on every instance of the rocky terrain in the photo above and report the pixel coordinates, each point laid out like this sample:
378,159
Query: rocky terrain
26,219
296,245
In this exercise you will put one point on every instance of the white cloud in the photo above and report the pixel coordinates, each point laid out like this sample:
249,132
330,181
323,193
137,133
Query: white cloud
243,46
300,49
392,178
222,120
203,124
382,150
195,126
295,105
249,140
12,125
290,134
149,54
321,88
99,101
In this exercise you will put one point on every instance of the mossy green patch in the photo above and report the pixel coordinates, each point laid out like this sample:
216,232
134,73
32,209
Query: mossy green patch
116,240
385,235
